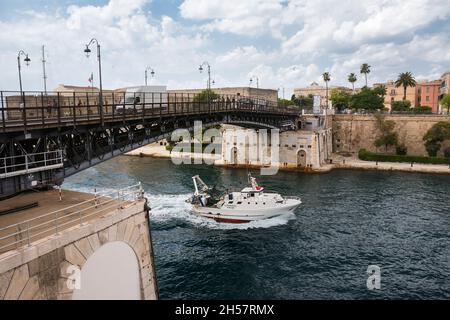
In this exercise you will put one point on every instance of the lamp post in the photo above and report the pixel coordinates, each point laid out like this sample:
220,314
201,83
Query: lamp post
27,62
88,51
257,81
152,72
206,64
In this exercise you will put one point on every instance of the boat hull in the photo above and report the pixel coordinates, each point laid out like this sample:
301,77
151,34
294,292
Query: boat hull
231,215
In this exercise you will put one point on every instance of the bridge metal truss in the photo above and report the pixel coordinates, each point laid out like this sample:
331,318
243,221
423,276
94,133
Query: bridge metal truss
72,123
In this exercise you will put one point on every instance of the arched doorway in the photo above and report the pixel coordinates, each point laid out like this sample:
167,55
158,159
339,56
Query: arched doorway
110,273
301,159
234,155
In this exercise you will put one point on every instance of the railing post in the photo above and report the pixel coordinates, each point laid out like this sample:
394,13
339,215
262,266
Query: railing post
74,110
88,106
26,163
95,197
28,232
59,110
3,112
24,111
43,108
113,106
175,103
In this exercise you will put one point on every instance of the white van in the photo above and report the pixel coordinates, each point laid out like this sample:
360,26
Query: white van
148,97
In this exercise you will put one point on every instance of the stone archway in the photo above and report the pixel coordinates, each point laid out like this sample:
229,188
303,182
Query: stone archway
301,159
110,273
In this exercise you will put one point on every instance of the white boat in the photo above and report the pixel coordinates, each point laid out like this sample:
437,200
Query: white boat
250,204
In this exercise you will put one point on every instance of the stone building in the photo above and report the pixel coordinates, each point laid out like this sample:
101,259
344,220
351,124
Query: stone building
258,93
316,89
445,84
428,94
307,149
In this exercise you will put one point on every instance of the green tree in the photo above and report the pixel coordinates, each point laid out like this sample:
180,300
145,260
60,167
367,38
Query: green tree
367,99
435,136
388,137
205,94
445,102
365,69
303,102
352,79
405,80
340,99
326,77
284,102
401,106
381,91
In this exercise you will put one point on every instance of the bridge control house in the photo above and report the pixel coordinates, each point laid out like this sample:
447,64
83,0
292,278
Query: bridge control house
308,148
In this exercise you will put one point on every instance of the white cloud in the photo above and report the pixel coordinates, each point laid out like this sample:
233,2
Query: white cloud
284,43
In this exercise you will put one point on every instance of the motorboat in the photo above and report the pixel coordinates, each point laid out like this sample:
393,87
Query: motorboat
250,204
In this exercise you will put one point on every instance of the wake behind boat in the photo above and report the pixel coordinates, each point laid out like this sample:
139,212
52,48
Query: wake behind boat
250,204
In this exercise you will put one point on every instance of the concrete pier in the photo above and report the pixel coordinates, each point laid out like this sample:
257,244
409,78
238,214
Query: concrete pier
49,257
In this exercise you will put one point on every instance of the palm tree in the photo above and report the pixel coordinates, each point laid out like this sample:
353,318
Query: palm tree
352,79
326,78
365,69
405,80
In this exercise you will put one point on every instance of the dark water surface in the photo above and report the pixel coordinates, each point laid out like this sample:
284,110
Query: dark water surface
348,221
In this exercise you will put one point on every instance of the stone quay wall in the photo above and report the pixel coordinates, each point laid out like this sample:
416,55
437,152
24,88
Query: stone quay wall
354,132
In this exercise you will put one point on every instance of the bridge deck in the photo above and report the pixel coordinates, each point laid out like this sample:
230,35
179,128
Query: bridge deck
37,222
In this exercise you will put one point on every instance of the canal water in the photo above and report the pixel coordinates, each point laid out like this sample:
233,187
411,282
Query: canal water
348,221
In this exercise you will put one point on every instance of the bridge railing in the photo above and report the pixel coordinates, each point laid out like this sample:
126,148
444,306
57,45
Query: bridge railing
28,109
25,232
29,163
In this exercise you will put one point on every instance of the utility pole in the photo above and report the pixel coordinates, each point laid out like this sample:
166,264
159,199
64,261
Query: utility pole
43,69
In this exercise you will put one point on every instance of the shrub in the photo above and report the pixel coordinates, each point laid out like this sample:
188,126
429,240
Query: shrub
422,110
401,150
403,105
370,156
447,153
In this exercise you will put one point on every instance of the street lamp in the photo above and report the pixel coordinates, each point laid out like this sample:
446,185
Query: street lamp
209,72
27,62
206,64
87,51
257,81
152,73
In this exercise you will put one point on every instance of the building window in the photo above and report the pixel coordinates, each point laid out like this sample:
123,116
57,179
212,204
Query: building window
392,92
427,99
428,89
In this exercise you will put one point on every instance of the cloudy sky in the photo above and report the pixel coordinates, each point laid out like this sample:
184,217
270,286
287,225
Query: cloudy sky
286,43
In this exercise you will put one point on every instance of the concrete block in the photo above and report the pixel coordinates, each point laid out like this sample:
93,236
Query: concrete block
5,279
63,287
18,282
84,247
10,261
63,269
140,218
112,233
129,230
103,236
150,293
134,236
30,290
121,229
74,256
40,295
64,296
33,267
94,241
